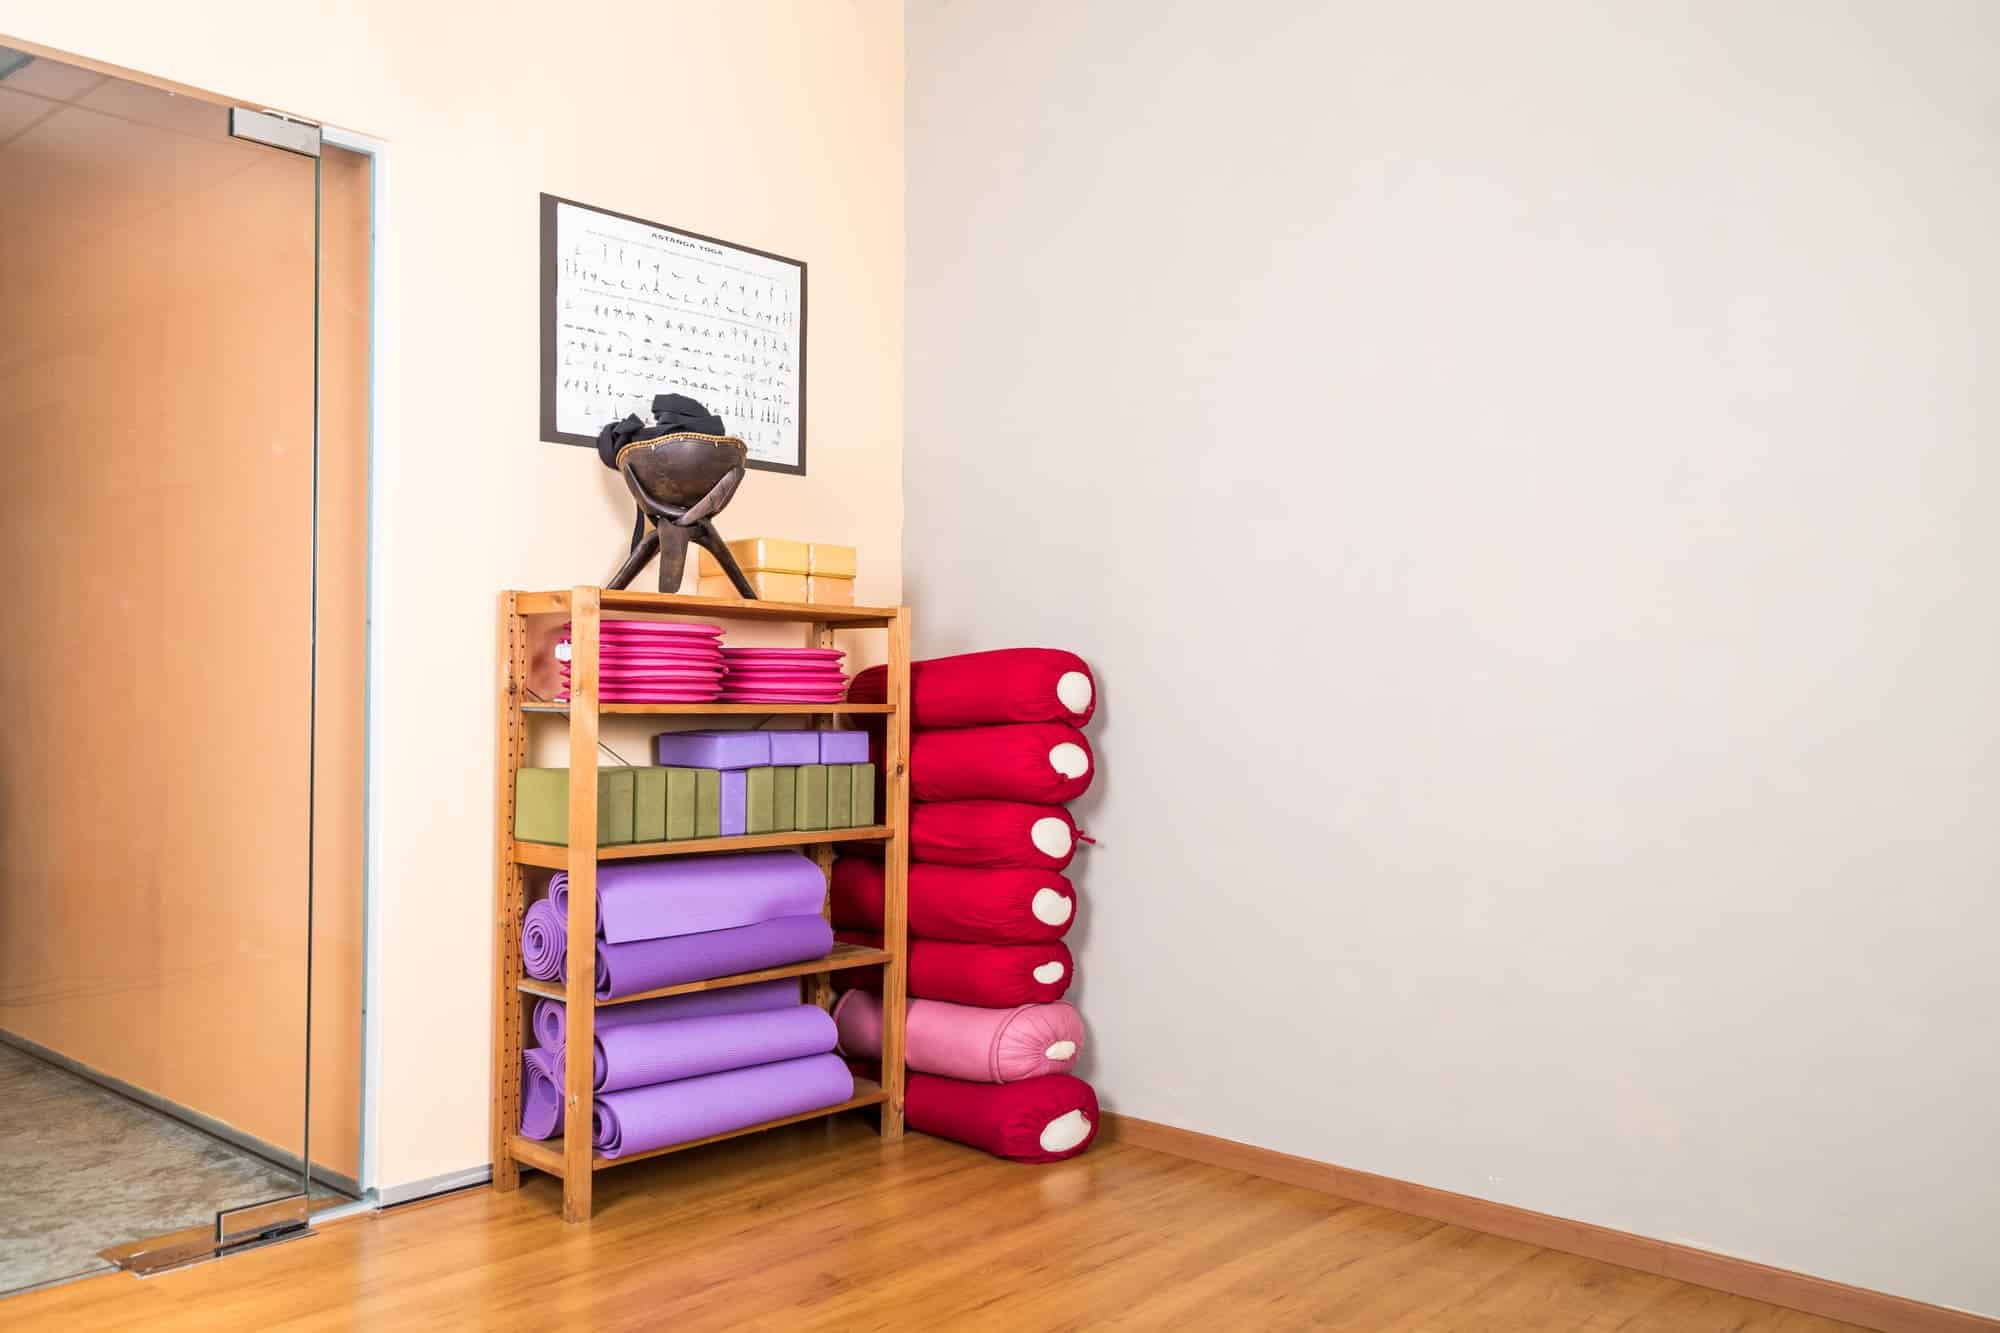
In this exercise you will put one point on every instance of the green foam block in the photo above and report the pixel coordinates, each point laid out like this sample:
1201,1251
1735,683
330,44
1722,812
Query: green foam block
839,795
614,805
680,802
812,797
649,805
760,800
541,805
707,803
784,799
864,795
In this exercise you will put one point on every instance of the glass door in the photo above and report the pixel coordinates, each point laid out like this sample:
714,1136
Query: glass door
176,785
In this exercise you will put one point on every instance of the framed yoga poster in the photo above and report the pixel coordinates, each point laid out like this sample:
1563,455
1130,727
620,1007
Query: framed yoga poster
632,308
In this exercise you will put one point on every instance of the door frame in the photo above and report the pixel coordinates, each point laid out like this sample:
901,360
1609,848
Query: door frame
381,359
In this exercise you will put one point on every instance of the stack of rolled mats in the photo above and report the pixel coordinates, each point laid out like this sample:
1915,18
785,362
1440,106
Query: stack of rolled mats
682,1067
996,750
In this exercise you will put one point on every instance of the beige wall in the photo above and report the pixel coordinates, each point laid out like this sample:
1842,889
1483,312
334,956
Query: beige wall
778,125
1526,474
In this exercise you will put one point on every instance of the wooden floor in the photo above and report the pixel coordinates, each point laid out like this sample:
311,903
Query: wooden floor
825,1227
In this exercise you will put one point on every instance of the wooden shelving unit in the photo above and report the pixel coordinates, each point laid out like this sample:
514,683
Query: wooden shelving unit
571,1157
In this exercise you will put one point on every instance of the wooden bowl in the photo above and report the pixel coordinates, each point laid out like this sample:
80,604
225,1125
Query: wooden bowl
680,469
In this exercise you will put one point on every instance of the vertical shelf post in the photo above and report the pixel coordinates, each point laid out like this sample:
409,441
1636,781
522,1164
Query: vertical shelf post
511,729
896,873
580,990
819,989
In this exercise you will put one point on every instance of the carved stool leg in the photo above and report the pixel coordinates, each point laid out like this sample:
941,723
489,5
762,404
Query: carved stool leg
673,555
637,560
705,535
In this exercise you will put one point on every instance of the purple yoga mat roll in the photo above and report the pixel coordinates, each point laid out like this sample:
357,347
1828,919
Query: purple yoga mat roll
541,1094
642,965
544,940
650,900
642,1119
645,1053
550,1025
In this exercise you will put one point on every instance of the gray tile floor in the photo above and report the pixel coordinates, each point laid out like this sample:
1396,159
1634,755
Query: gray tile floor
82,1168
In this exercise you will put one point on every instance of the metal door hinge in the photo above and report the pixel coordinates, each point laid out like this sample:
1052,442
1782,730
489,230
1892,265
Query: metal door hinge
274,131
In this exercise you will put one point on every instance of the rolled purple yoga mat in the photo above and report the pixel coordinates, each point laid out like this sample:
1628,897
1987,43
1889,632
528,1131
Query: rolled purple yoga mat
541,1094
645,1053
642,965
544,941
650,900
550,1027
642,1119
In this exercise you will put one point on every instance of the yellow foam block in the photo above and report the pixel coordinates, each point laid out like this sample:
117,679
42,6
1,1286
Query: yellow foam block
769,587
773,555
829,591
833,561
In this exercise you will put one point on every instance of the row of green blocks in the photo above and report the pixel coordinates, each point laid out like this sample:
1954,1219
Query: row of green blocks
651,804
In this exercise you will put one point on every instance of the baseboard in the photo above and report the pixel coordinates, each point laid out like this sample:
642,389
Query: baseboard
281,1158
1739,1277
390,1196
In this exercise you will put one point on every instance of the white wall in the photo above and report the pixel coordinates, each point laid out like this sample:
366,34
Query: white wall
1525,477
776,124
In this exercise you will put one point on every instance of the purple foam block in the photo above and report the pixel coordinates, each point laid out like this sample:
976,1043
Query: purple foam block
641,1119
843,747
642,965
550,1025
713,749
642,1053
735,802
794,747
648,900
541,1094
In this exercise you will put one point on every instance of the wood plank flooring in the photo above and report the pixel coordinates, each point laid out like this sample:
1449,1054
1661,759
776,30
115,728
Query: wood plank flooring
824,1226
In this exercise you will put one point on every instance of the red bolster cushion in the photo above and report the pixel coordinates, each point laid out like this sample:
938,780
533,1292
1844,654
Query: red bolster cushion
991,976
959,902
1049,763
992,833
1044,1119
986,689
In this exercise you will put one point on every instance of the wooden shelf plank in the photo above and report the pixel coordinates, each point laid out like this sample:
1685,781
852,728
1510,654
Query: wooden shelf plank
555,856
638,604
722,710
529,1152
533,1152
843,957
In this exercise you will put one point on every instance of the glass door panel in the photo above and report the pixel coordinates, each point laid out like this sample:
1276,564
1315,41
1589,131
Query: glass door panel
157,412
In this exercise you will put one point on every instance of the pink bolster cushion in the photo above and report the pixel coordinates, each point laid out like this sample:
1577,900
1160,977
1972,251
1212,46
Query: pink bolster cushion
1042,1119
959,902
1049,763
992,833
961,1041
986,689
990,976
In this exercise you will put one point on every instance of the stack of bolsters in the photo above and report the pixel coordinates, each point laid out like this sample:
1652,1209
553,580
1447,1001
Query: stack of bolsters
996,751
675,1068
